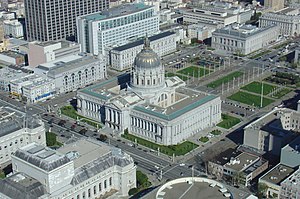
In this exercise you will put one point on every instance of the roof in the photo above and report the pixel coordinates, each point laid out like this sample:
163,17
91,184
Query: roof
43,157
225,156
241,162
91,157
21,186
11,121
141,41
124,9
278,174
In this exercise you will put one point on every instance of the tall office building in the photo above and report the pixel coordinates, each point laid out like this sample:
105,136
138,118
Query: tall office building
116,26
48,20
274,4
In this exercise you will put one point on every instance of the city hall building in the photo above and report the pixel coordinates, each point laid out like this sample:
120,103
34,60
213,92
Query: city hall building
150,106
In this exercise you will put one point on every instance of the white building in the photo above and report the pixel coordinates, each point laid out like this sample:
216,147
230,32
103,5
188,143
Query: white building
205,15
160,110
43,52
290,187
18,130
122,57
199,31
288,20
243,39
33,87
116,26
72,72
82,169
7,75
13,28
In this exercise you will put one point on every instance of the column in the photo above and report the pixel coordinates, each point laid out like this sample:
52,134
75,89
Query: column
117,117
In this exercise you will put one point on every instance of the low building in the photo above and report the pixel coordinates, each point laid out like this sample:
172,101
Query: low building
274,4
273,179
73,72
33,88
287,19
243,39
199,31
236,164
18,130
290,154
122,57
8,74
13,57
290,187
13,28
82,169
43,52
270,132
198,15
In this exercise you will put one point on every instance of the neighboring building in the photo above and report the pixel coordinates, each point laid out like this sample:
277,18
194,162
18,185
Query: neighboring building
236,164
18,130
243,39
1,32
198,15
288,20
122,57
274,4
290,154
13,28
272,131
34,88
8,15
12,57
43,52
116,26
48,21
273,179
160,110
73,72
290,187
7,75
199,31
82,169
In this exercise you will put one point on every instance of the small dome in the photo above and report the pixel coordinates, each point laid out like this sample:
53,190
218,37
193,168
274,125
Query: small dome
147,58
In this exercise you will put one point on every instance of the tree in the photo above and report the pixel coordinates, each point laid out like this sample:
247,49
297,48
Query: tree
261,190
126,131
238,178
50,139
103,137
141,179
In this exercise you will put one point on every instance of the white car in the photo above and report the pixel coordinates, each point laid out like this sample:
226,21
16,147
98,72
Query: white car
181,164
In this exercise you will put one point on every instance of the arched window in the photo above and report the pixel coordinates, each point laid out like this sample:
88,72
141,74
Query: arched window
79,75
93,71
73,77
86,73
66,80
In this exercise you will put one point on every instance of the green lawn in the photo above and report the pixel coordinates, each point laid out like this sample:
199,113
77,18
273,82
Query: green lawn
216,132
142,183
250,99
180,149
260,54
194,71
228,121
184,78
204,139
2,175
255,87
72,113
225,79
51,140
281,93
281,45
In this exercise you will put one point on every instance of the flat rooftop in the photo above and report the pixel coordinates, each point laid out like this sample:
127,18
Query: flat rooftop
189,191
121,10
43,157
225,156
278,174
141,41
8,74
241,162
12,54
87,151
242,31
67,63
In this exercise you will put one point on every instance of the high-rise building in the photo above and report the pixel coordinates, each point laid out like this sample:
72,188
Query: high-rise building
116,26
274,4
48,20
